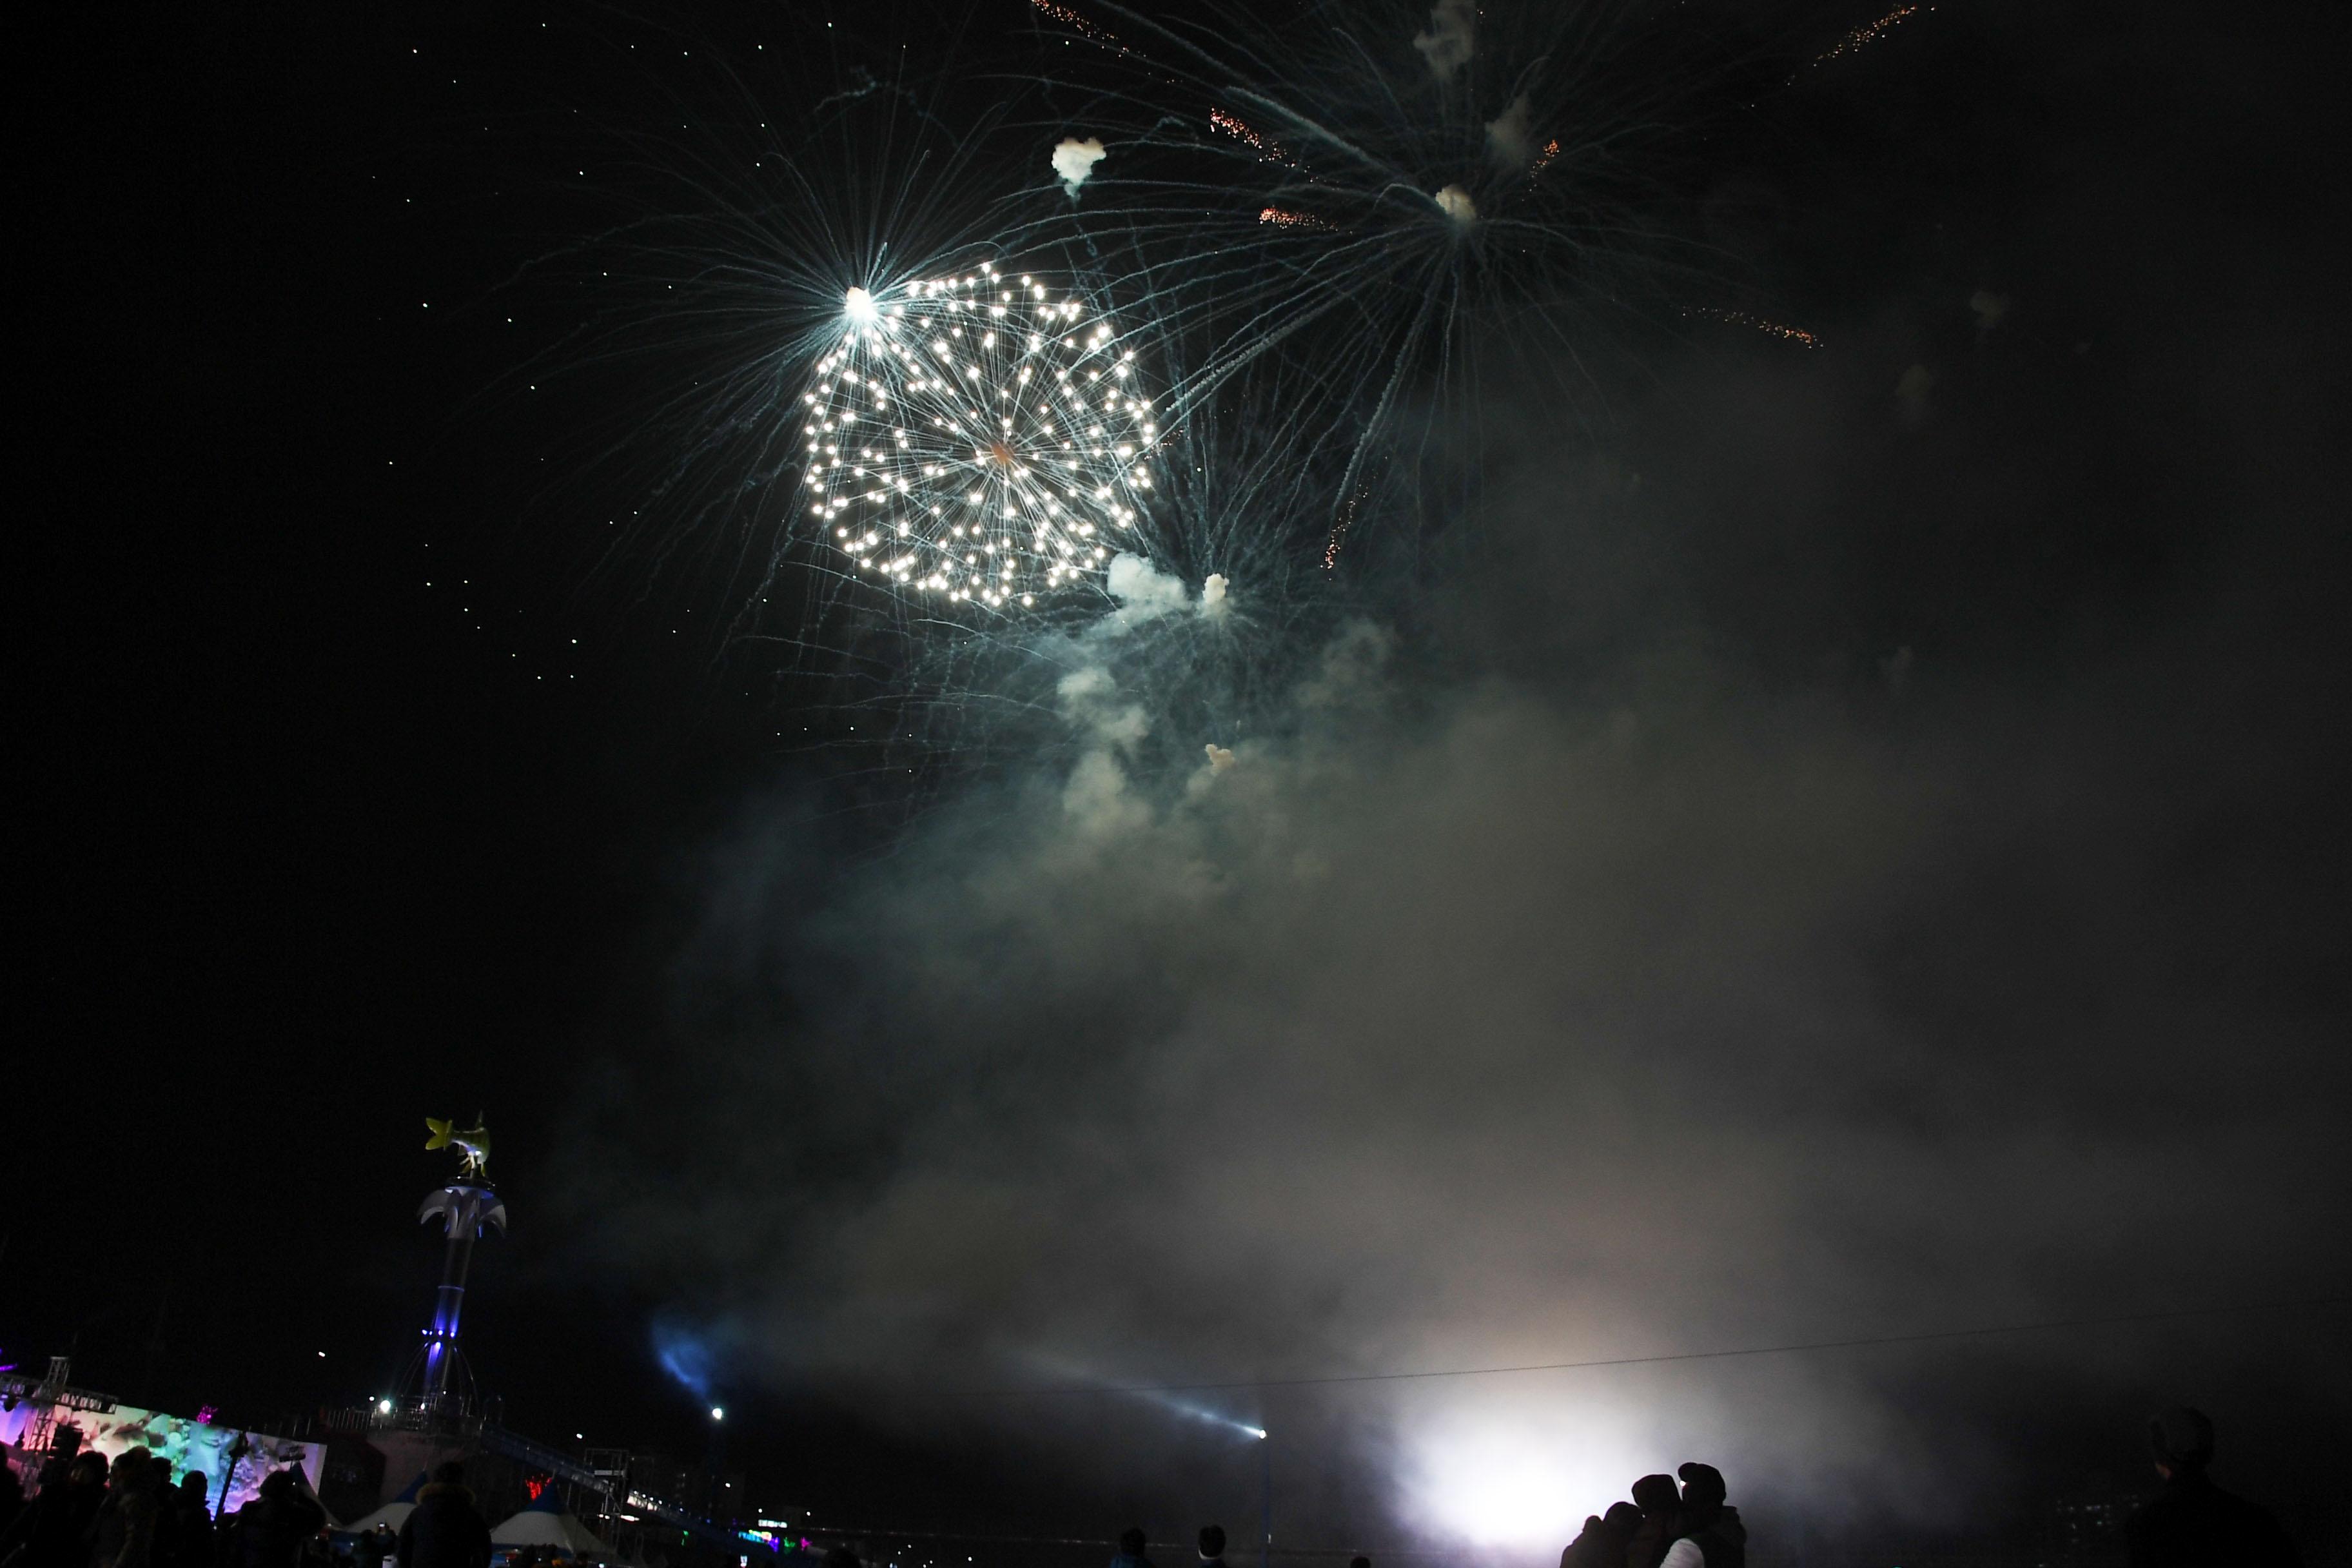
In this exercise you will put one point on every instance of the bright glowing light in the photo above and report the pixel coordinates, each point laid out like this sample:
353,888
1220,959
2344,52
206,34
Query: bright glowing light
962,424
717,1412
383,1407
1511,1474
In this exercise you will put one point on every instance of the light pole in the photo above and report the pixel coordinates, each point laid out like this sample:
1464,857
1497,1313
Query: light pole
714,1480
1266,1477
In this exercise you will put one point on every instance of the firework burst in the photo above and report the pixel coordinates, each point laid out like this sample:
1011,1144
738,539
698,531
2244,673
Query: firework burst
983,438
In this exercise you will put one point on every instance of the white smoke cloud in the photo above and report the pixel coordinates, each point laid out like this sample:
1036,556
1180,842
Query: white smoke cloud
1447,45
1507,134
1074,160
1455,203
1485,1030
1144,592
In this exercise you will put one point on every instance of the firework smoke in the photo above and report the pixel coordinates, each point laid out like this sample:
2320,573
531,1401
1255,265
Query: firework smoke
1074,160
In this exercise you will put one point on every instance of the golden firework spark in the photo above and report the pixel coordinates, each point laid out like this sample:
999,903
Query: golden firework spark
1234,126
1085,28
1286,217
1868,32
1758,324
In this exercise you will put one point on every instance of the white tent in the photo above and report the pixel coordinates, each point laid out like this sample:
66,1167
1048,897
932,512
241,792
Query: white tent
546,1523
395,1513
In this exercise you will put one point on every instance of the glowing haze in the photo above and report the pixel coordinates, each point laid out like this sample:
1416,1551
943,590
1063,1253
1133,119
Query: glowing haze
1477,1026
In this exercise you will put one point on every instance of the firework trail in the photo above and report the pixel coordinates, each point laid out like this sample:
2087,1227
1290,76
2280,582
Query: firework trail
1860,38
1758,324
1397,209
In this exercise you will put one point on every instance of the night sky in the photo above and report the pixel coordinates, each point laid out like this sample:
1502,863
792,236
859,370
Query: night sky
1853,844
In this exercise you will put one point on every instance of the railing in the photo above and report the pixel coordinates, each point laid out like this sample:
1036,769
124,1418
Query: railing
515,1446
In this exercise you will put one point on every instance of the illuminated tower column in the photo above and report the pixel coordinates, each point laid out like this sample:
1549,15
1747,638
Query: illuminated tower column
463,1209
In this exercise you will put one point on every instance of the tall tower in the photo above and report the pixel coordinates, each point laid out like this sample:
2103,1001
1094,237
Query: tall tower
438,1381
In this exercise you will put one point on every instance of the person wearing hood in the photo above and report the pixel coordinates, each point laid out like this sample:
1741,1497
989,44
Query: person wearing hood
1711,1535
1602,1541
445,1530
2192,1523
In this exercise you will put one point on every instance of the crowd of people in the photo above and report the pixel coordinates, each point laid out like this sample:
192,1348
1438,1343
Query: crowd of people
1664,1526
132,1513
2189,1523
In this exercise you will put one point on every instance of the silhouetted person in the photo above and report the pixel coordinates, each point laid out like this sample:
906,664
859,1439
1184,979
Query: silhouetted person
1130,1549
1711,1534
2192,1523
445,1530
192,1522
1213,1546
124,1535
53,1531
1661,1502
1360,1562
271,1531
12,1495
1604,1540
1573,1553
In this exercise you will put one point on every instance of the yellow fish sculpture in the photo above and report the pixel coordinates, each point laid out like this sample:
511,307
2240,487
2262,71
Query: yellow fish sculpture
474,1146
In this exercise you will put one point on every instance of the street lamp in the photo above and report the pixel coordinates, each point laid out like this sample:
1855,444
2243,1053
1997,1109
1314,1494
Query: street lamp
1266,1544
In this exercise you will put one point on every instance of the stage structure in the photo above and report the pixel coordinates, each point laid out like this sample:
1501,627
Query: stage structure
438,1383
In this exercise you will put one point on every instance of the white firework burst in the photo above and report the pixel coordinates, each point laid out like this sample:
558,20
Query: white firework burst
981,438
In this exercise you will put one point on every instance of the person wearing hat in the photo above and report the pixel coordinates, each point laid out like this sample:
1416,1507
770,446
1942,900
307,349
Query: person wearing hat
2192,1523
1711,1535
1660,1521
